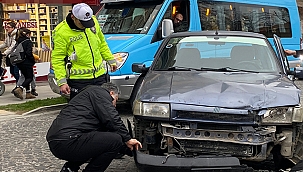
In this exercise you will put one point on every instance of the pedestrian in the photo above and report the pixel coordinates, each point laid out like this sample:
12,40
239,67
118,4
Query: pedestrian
89,128
33,83
26,66
79,38
9,43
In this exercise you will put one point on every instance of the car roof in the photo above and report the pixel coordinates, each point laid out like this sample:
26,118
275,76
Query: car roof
219,33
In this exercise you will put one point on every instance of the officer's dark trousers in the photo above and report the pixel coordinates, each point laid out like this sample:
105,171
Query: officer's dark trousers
98,147
76,85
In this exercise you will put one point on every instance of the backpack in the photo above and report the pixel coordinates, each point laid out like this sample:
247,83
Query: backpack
15,56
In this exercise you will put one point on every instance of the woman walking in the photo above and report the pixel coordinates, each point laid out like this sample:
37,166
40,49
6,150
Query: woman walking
9,43
26,67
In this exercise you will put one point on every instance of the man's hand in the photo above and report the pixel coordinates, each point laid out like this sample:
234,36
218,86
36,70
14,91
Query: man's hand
65,89
290,52
113,68
133,143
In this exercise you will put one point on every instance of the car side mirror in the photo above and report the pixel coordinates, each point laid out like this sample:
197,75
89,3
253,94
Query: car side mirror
167,28
139,68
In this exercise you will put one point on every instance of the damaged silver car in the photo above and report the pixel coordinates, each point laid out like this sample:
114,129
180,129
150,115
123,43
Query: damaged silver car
218,101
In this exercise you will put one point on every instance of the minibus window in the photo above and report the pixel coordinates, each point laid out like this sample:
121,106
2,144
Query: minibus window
268,20
127,20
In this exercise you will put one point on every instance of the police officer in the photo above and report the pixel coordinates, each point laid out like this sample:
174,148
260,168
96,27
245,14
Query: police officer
79,50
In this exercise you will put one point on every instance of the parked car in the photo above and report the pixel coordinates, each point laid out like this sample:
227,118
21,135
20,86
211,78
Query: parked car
217,100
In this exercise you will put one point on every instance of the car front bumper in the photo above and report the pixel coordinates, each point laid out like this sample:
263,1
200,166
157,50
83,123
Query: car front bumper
148,163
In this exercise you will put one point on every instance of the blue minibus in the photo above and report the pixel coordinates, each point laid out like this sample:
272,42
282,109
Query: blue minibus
133,28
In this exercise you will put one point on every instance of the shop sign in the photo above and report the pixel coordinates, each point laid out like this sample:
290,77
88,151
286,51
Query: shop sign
23,24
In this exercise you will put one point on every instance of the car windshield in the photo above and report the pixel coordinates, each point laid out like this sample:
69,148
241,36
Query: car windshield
126,20
218,53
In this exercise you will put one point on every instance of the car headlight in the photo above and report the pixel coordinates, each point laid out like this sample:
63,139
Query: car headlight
297,115
120,59
161,110
281,115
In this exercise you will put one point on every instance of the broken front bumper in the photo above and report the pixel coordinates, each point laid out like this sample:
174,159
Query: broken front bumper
152,163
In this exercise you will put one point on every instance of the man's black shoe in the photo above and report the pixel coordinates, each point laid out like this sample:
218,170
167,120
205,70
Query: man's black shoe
119,156
66,169
126,151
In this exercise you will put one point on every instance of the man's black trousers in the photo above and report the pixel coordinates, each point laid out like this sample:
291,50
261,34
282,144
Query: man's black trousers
98,147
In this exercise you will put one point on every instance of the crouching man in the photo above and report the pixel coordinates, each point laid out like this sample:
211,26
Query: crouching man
89,128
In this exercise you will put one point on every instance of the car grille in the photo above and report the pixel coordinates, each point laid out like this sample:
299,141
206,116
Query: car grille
216,147
215,117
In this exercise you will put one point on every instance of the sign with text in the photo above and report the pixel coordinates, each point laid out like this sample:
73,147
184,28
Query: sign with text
23,24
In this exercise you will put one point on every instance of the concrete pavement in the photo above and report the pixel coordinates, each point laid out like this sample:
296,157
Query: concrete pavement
43,90
8,98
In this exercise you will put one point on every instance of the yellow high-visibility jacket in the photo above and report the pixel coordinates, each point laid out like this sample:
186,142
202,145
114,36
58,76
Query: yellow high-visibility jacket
90,47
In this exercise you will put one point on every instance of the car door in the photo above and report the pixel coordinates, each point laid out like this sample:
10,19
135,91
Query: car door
281,54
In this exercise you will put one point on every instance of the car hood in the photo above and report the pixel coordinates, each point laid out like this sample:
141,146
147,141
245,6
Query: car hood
219,89
118,43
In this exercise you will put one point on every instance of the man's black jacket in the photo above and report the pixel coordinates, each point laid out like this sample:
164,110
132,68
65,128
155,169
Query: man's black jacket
90,110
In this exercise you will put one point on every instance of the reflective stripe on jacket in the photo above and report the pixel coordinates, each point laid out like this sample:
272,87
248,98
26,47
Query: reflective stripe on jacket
90,47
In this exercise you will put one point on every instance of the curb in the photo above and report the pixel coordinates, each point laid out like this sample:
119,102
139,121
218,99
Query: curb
45,109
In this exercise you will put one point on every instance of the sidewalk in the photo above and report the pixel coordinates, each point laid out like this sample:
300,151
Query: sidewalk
43,90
